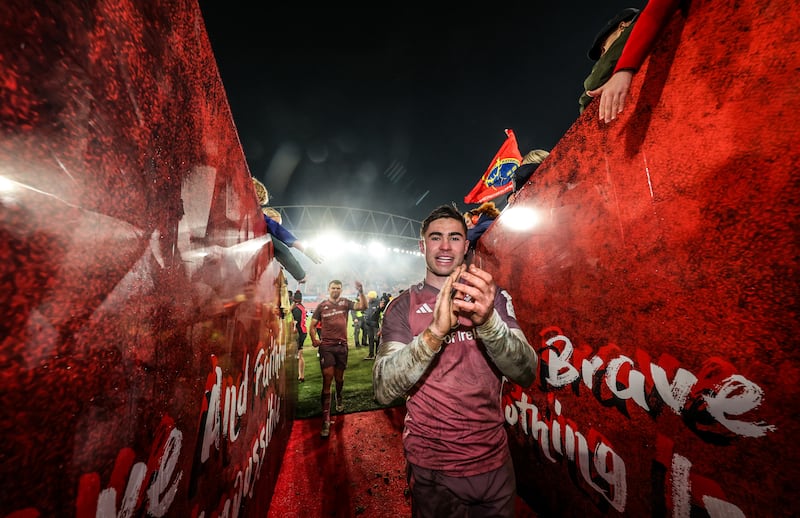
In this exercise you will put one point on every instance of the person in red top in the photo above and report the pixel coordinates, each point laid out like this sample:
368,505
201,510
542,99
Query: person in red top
299,316
332,314
646,28
446,344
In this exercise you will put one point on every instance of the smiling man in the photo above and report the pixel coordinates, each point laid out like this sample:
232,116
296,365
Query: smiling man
332,314
446,343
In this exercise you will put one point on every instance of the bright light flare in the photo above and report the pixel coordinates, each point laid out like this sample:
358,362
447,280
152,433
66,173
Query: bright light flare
9,190
330,244
7,185
521,219
377,250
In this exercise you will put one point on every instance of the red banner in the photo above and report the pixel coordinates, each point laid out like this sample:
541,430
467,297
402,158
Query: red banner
496,181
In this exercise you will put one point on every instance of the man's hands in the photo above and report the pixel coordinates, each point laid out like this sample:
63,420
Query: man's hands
444,315
362,299
467,293
475,292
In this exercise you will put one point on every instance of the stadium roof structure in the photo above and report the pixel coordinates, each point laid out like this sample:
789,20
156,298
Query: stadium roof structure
359,225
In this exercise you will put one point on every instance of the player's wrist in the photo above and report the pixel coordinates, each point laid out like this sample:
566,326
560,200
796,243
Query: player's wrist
432,340
435,336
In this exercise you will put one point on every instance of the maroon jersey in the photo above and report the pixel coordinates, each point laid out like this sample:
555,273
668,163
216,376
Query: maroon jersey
454,422
333,317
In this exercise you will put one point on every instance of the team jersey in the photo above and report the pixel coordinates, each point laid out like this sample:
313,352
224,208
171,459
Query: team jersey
454,421
333,317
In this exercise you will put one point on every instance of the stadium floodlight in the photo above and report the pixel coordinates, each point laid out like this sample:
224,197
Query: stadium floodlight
520,219
377,249
331,242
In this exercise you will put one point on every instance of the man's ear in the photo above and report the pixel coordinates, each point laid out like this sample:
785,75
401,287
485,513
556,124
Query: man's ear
421,244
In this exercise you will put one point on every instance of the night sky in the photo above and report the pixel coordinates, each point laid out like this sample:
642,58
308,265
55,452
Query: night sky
393,108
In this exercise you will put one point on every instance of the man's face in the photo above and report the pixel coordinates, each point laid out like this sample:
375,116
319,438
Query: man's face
335,291
444,246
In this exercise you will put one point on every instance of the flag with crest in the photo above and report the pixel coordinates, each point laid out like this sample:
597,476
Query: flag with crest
496,181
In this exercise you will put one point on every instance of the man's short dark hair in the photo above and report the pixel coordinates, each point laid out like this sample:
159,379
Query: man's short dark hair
443,211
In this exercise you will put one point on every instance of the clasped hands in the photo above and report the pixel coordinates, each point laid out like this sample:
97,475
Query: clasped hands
467,294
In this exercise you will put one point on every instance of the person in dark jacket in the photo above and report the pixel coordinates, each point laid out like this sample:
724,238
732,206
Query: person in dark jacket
372,321
619,50
299,316
359,333
478,220
521,175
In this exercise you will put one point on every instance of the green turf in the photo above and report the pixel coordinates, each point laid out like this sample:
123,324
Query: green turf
358,394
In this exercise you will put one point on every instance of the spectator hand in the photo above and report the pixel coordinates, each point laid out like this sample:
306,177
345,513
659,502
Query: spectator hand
613,94
312,254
